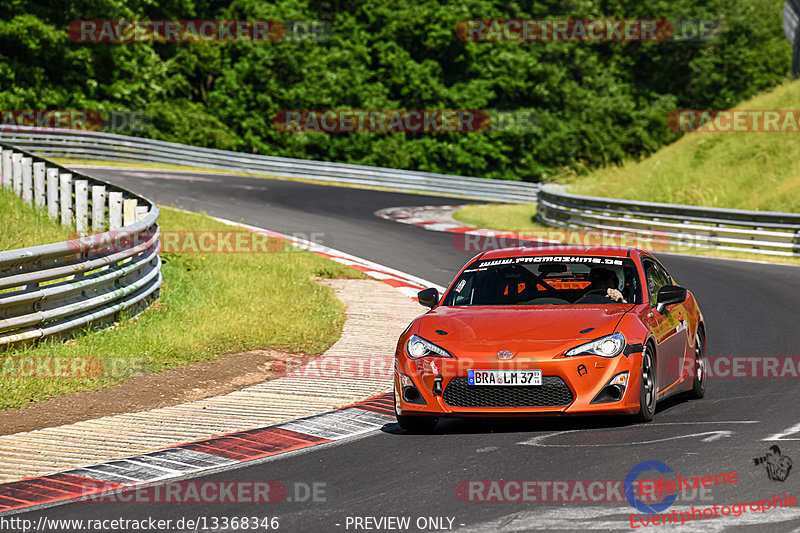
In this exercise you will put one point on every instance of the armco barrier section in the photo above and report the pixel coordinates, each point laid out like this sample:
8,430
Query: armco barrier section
762,232
698,227
113,147
110,266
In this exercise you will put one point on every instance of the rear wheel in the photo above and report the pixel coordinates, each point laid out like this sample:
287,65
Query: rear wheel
699,381
415,424
647,388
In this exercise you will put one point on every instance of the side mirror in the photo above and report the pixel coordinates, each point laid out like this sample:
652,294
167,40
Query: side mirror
668,295
428,297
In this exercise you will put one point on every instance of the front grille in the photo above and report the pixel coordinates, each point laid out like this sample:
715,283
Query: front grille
553,392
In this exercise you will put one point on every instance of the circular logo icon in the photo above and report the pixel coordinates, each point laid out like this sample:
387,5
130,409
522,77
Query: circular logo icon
630,481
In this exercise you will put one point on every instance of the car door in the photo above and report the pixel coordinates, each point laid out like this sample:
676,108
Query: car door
666,328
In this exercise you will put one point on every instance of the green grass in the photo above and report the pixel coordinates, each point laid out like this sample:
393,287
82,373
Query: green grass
505,217
24,226
733,170
210,305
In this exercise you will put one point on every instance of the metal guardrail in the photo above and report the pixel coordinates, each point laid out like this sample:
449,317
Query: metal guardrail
53,288
698,227
113,147
762,232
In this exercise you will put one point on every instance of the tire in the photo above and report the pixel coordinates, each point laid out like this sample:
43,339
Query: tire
699,367
415,424
647,387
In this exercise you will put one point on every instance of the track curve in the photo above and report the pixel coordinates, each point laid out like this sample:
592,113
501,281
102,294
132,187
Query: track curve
750,311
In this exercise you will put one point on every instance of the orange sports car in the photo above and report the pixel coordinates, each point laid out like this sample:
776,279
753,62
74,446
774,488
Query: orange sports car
543,331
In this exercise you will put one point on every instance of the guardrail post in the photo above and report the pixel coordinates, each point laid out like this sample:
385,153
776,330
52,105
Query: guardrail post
114,210
66,199
52,192
16,173
129,211
98,208
82,206
93,291
27,179
38,184
6,168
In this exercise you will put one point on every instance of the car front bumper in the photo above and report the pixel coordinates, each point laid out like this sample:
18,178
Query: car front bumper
571,386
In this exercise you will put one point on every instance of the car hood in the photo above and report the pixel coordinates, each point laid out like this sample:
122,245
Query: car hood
486,328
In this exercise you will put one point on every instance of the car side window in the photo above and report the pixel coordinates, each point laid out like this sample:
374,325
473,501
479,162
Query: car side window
664,273
655,278
463,292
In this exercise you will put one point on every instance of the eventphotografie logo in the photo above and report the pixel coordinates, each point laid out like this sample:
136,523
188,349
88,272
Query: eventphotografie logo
775,463
657,494
630,493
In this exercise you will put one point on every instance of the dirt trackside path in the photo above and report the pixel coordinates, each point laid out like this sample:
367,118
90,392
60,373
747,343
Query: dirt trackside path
187,404
169,387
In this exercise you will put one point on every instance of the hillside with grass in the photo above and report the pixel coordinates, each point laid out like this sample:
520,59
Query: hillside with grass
734,170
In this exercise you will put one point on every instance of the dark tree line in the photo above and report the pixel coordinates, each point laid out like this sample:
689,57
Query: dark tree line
592,103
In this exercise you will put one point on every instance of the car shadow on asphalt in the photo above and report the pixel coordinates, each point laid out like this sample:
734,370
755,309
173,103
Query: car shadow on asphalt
547,423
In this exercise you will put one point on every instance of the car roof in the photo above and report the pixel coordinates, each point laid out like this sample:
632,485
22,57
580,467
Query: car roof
594,251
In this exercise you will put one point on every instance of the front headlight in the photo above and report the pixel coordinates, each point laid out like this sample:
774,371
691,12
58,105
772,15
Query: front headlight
608,346
417,347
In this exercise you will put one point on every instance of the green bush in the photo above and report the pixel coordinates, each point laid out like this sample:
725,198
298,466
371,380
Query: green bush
596,103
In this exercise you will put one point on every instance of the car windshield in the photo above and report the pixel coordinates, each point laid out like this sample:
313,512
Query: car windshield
545,280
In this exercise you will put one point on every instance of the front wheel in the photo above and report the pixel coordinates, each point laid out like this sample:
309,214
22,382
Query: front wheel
647,388
699,380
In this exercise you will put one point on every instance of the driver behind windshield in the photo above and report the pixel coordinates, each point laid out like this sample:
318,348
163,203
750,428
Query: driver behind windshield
605,279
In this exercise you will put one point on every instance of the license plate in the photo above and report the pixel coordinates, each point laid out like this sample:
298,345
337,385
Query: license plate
504,378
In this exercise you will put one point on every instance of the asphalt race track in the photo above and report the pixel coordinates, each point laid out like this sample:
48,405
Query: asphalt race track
750,311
